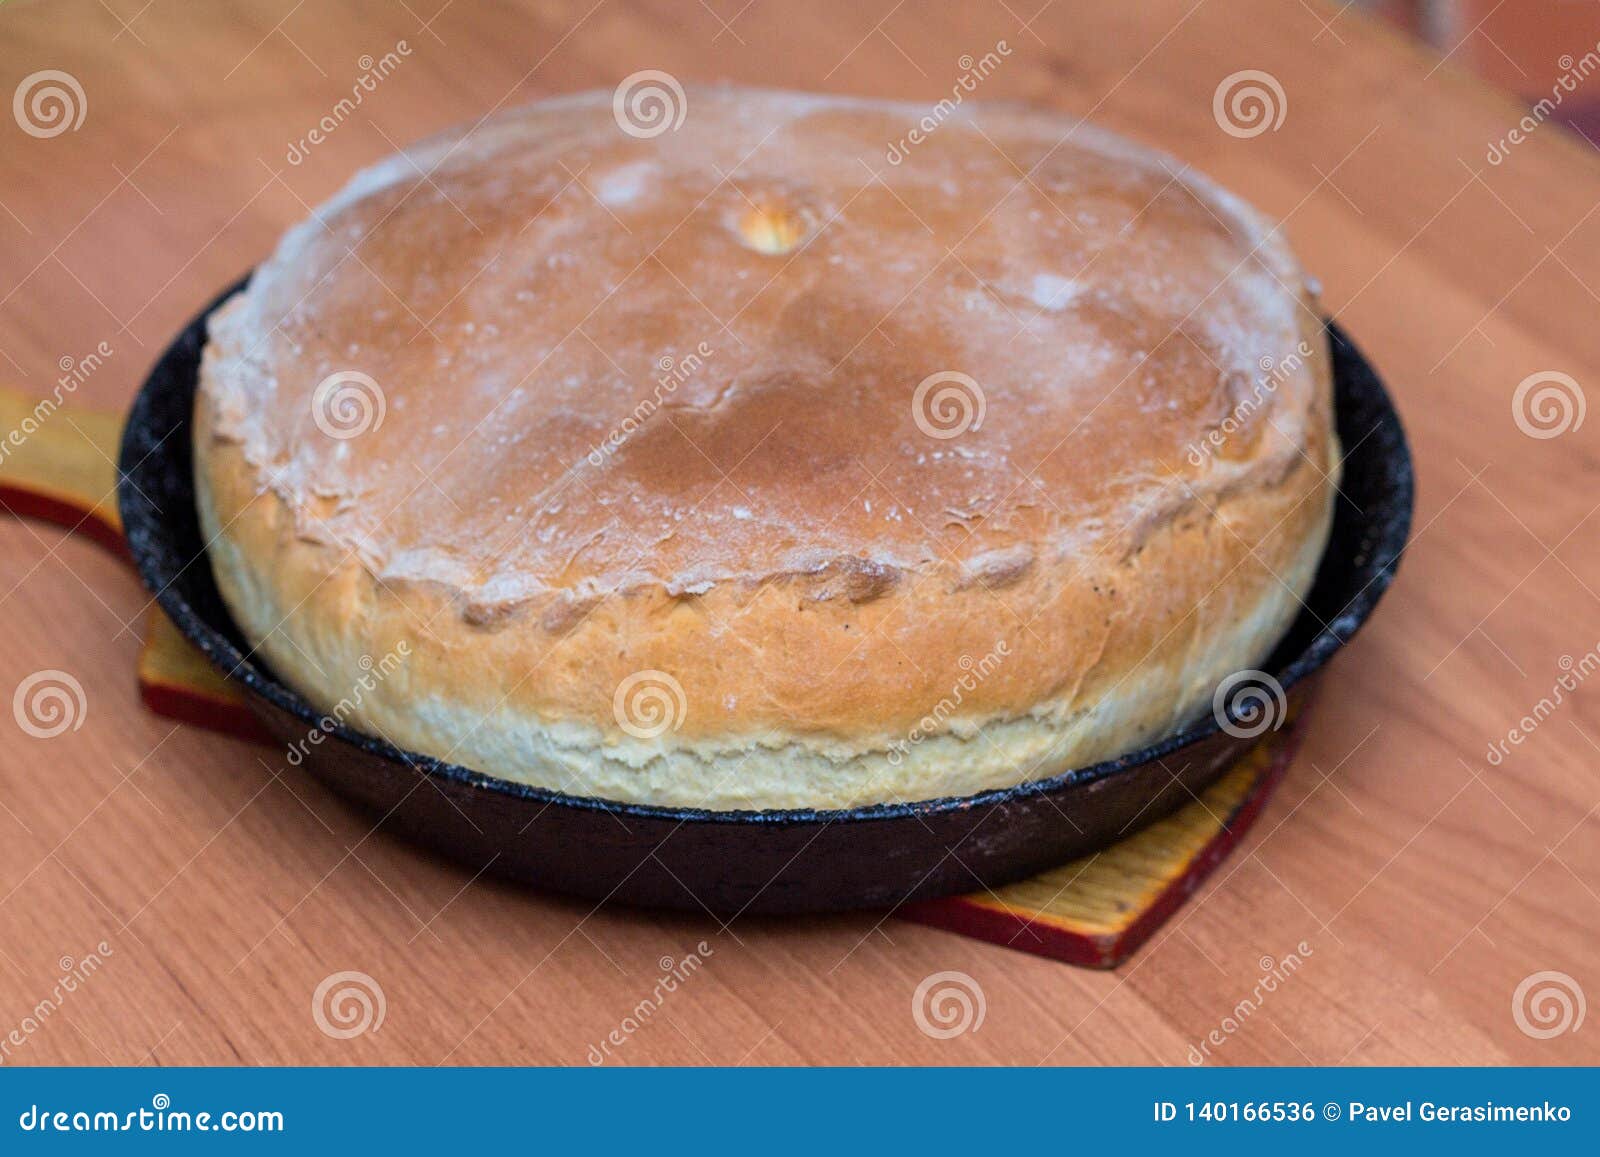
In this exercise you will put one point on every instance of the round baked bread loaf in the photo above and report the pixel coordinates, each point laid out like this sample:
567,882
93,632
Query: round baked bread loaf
767,456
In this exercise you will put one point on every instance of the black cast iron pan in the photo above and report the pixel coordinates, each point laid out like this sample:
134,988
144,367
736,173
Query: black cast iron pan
774,861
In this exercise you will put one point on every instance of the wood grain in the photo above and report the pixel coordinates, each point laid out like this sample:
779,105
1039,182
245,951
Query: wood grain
1426,882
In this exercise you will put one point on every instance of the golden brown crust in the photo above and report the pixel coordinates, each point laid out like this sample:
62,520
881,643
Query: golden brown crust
855,605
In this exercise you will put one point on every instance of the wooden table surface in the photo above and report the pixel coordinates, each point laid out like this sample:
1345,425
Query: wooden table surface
218,888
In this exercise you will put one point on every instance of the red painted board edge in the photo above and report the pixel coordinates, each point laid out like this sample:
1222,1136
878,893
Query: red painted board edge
1015,931
185,706
32,504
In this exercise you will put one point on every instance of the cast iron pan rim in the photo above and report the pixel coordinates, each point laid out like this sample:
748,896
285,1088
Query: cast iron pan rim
137,511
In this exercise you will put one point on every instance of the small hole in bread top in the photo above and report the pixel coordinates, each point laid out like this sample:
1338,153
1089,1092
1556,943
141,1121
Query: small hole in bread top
773,229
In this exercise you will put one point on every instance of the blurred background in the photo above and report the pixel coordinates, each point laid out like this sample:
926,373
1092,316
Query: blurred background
1518,45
